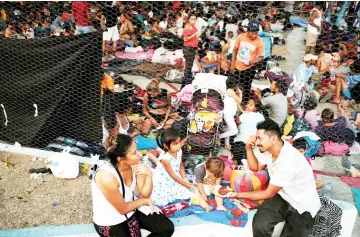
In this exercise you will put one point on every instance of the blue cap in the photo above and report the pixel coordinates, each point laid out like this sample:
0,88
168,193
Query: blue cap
253,26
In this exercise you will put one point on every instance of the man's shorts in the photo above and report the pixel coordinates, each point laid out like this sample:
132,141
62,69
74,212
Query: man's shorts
111,34
311,39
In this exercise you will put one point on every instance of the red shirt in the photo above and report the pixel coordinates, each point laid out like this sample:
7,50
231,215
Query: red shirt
176,4
80,9
192,42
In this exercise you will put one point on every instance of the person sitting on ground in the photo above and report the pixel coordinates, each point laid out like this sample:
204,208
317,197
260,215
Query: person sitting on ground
355,118
210,60
301,145
208,175
155,28
115,119
310,113
156,107
10,30
28,32
277,102
231,41
337,130
212,19
163,22
113,187
247,122
345,84
126,30
170,180
303,73
291,194
223,61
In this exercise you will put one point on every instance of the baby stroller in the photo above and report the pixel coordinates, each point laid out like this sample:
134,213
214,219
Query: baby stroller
206,116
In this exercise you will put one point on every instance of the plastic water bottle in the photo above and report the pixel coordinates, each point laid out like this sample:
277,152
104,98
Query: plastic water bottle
171,209
327,188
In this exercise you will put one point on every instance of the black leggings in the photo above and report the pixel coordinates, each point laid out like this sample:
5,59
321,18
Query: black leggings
245,79
157,224
189,53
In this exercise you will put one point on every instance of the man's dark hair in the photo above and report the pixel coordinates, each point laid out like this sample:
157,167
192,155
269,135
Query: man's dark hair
270,127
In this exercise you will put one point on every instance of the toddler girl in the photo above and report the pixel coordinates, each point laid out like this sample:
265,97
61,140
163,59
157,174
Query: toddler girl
169,179
214,169
231,102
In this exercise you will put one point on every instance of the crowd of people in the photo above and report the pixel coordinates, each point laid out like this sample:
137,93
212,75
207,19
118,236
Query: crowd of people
257,121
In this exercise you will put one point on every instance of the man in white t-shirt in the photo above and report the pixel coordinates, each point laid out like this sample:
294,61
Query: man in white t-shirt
291,195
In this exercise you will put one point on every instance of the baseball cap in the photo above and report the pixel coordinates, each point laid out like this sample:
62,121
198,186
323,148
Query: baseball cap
253,26
283,81
309,57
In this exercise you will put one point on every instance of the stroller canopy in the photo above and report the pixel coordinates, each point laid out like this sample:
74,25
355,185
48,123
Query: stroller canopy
206,81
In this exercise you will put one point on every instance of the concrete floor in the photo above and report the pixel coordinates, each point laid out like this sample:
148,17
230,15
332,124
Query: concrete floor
296,48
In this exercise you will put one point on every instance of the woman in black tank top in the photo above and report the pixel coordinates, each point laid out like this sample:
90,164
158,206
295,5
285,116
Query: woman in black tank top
156,107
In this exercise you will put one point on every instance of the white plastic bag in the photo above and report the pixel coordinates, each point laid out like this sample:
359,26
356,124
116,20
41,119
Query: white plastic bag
64,165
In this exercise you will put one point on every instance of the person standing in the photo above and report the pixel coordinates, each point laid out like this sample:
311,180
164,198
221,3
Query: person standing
109,21
314,27
81,16
191,42
291,195
248,51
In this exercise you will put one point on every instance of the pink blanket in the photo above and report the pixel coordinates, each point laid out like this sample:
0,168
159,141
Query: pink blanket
138,55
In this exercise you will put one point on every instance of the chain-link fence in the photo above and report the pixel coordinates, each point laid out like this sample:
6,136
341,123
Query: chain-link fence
77,73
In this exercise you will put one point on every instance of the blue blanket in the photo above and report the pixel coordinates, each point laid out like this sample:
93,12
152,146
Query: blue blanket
232,217
356,195
298,21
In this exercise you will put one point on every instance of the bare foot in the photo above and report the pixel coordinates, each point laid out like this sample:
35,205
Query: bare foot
336,101
208,208
221,208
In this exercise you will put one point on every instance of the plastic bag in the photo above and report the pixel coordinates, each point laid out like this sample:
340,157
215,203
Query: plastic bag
64,165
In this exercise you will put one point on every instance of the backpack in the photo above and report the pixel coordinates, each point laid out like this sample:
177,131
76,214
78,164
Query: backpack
174,76
313,147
